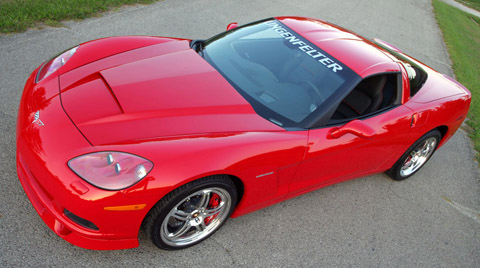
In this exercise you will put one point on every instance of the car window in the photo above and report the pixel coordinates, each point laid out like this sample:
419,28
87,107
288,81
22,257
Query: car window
372,94
285,78
416,74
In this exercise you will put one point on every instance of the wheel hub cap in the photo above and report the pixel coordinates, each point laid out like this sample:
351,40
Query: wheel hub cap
196,216
418,157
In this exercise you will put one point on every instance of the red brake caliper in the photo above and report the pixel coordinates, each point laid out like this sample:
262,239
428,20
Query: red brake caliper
213,203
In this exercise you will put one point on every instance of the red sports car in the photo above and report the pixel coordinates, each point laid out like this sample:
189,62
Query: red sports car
178,135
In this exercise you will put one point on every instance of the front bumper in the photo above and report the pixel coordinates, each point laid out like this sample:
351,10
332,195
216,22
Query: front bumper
54,217
43,150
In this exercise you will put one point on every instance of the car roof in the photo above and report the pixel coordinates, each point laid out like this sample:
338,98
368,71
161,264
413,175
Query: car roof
358,53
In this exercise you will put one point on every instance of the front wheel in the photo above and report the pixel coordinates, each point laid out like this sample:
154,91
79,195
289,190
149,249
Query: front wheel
416,156
191,213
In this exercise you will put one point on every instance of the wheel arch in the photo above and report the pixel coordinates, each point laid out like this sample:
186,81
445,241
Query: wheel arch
443,131
239,184
239,187
393,172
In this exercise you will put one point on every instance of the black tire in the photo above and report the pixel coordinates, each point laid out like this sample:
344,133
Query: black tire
401,170
189,221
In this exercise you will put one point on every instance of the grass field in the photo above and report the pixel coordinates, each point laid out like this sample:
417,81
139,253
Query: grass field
19,15
461,33
475,4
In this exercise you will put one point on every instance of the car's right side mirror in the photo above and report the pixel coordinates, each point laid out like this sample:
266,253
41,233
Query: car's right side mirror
355,127
232,26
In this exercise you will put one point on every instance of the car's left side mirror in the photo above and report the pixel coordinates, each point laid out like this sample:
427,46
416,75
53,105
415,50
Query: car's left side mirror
355,127
232,26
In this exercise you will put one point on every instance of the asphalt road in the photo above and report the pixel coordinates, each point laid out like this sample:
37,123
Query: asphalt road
430,220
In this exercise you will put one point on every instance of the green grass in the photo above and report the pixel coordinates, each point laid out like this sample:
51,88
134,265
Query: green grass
19,15
461,33
475,4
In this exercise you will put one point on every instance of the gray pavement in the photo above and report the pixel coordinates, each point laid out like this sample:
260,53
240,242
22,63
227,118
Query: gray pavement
430,220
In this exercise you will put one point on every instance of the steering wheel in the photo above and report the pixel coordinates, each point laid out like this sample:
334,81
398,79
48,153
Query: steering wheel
256,73
307,84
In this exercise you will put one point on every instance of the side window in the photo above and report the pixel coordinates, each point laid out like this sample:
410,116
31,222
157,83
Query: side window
372,94
417,77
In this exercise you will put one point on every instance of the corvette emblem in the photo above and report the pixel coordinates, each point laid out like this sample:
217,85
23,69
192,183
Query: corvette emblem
37,119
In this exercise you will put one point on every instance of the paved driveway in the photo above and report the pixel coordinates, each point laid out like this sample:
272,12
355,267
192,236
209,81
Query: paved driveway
372,221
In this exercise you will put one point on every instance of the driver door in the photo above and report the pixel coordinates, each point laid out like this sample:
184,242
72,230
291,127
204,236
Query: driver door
358,146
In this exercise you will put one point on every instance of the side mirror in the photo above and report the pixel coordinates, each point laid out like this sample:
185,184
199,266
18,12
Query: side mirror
355,127
232,26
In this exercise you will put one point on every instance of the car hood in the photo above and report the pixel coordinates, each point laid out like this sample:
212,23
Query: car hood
173,92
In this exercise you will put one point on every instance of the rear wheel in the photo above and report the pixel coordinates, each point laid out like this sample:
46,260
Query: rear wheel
416,156
191,213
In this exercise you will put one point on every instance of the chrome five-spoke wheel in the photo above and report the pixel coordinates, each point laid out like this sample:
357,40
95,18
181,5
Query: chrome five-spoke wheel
192,212
416,156
196,216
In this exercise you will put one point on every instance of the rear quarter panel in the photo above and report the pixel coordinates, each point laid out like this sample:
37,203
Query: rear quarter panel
449,112
442,101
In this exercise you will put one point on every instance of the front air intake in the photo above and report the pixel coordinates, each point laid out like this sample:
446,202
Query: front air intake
80,221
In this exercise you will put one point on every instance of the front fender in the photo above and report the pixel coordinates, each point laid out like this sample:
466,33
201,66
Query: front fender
265,162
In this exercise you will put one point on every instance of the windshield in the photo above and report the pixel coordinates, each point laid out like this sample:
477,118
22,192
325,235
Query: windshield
285,78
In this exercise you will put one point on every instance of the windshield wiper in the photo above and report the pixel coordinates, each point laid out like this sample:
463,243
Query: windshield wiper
197,45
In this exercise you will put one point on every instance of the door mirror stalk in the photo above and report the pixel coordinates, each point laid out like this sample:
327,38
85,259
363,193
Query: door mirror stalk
232,26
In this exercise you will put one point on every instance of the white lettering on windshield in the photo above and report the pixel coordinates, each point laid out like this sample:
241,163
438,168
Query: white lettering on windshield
329,63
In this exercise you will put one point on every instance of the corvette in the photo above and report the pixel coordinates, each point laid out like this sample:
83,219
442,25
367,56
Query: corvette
178,135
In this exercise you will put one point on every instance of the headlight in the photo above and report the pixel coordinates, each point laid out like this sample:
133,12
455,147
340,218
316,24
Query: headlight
111,170
55,64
